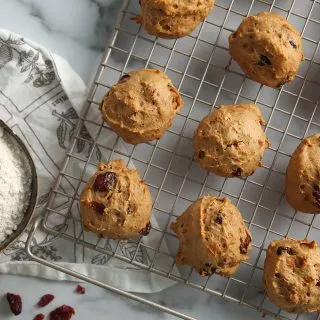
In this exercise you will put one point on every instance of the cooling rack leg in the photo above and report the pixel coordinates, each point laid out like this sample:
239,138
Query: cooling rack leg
70,272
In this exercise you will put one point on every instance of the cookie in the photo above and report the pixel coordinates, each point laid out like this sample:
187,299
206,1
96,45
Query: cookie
171,19
212,237
267,48
292,275
116,203
141,106
230,141
302,188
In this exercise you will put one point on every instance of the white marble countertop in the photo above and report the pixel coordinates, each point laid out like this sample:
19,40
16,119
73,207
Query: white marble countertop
78,30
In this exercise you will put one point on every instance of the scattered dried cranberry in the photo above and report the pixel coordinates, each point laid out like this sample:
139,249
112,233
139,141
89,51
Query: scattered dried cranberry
62,313
98,207
39,316
286,249
146,230
237,172
218,219
15,303
293,44
105,182
264,61
45,300
245,244
316,195
80,289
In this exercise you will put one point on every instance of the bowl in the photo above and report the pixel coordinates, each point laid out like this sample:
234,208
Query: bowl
34,190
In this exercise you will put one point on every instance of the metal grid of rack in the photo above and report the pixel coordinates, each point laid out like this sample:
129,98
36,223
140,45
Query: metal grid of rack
206,76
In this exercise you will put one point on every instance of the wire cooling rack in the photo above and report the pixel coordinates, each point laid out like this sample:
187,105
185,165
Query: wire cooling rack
206,76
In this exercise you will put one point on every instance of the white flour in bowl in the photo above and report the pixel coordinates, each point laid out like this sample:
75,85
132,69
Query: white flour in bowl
15,184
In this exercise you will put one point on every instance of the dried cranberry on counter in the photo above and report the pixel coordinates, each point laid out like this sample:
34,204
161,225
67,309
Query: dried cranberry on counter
45,300
80,289
39,316
15,303
62,313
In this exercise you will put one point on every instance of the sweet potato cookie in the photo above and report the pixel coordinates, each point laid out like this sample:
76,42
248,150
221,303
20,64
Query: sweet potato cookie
116,203
141,106
213,236
292,275
172,19
267,48
230,141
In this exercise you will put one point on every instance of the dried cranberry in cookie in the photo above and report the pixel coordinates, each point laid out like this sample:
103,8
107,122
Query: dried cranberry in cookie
291,275
267,48
303,176
212,236
116,203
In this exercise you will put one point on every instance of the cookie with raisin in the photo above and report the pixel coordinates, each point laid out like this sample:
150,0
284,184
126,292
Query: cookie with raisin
302,187
213,237
267,48
141,106
230,141
292,275
171,19
116,203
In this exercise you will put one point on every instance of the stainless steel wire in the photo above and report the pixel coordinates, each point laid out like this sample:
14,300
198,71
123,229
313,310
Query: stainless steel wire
206,77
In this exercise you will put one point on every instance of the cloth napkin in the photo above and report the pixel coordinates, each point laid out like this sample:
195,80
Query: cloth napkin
40,99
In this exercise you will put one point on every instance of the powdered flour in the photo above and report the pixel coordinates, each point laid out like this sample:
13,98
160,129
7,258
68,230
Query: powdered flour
15,184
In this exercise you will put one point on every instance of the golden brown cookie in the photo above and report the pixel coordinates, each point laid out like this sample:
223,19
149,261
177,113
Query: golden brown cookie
141,106
292,275
116,203
303,176
267,48
212,236
172,19
230,141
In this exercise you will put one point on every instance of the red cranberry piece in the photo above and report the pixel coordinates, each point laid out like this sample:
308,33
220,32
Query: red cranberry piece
293,44
316,195
62,313
245,244
264,61
39,316
285,249
45,300
124,78
237,172
218,219
98,207
146,230
105,182
80,289
15,303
